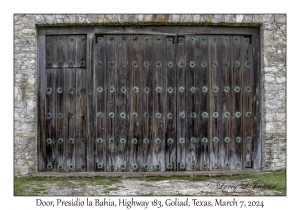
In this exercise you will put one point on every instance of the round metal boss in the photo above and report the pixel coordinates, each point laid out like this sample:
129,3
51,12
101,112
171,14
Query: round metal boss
99,39
135,63
236,39
60,116
60,64
238,139
99,89
247,39
180,64
49,64
146,89
182,165
204,89
146,166
99,140
203,39
146,64
123,166
147,39
225,64
60,167
170,64
157,167
49,141
158,39
215,64
123,38
214,39
111,167
49,166
82,39
100,165
82,63
158,115
204,64
237,89
158,64
192,64
48,115
123,115
238,114
182,115
193,89
146,141
237,63
193,165
111,89
157,141
71,140
71,90
238,164
181,89
180,39
247,64
248,139
99,114
135,39
134,141
111,115
193,115
60,141
215,139
204,140
111,140
49,39
99,63
123,89
83,141
71,115
204,114
60,39
170,90
227,114
82,90
193,140
59,90
170,40
134,166
170,141
225,39
215,89
123,64
227,164
135,89
122,140
134,115
181,140
169,166
204,166
170,116
111,63
70,64
227,139
226,89
48,90
193,39
215,114
248,89
248,114
158,89
146,115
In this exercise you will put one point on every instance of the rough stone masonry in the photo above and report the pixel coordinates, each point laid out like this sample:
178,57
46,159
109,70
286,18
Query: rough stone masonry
273,74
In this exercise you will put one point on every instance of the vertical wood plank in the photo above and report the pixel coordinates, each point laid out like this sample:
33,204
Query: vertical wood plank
42,88
170,102
111,93
181,102
203,76
256,103
215,100
121,120
91,112
190,91
247,103
159,90
101,89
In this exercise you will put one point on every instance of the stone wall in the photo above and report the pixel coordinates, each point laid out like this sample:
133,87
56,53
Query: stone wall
273,74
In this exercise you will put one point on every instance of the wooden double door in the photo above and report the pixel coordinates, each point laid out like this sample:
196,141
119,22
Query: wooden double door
148,102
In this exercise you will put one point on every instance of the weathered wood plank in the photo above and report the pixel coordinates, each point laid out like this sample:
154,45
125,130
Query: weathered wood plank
110,103
170,103
181,102
41,101
215,99
101,90
159,64
191,135
203,76
121,116
257,102
248,133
